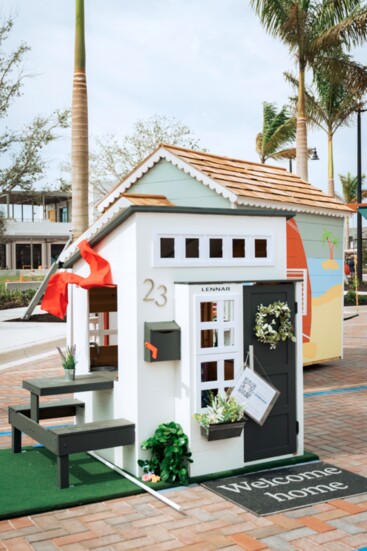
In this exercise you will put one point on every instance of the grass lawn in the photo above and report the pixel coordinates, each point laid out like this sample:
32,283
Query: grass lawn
4,279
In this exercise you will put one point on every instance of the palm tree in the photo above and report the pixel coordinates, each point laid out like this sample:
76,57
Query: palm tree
312,30
79,129
279,130
330,104
349,188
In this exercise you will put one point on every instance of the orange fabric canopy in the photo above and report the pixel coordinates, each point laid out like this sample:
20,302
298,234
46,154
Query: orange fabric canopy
55,300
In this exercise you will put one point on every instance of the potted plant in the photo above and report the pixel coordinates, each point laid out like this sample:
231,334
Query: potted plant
224,418
68,361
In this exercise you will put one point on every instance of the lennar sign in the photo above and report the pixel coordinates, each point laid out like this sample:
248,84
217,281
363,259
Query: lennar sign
289,488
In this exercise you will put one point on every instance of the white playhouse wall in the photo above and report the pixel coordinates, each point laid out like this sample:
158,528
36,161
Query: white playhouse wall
152,393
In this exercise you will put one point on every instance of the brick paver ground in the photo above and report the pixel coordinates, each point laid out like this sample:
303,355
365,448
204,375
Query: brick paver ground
335,429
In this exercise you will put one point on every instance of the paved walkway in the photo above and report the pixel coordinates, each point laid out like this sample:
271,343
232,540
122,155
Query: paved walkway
335,428
20,341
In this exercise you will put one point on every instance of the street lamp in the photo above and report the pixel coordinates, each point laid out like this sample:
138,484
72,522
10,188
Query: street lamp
312,155
359,194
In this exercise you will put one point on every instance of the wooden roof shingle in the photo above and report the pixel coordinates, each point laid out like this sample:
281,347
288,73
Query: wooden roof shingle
258,181
243,182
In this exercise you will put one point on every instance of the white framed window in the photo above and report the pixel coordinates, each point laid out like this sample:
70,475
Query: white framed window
212,250
217,348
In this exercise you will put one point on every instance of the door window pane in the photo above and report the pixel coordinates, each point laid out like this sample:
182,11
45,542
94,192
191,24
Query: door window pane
228,310
167,247
228,337
207,397
228,370
216,248
208,311
192,247
209,338
209,371
261,248
238,248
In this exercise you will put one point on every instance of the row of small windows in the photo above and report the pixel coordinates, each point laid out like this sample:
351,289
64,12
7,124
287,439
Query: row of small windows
215,249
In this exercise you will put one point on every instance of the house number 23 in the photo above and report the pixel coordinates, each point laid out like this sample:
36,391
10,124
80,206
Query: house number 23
156,294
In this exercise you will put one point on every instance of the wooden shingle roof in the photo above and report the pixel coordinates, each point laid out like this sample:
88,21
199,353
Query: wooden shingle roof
242,182
258,181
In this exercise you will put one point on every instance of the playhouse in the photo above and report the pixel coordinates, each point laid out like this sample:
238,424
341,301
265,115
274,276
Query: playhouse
195,244
314,236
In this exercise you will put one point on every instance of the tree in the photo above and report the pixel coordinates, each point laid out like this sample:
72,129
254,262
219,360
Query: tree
330,104
279,130
22,164
114,158
349,185
79,130
2,226
312,30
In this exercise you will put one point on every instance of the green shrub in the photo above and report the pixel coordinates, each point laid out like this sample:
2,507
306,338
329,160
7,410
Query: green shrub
16,298
350,299
170,453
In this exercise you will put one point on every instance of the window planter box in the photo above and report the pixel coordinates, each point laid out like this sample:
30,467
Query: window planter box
221,431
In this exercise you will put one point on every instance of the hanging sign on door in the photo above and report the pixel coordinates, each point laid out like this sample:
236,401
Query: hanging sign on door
257,395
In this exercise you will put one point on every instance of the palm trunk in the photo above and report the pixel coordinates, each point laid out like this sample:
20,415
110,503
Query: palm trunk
301,132
79,130
330,185
346,242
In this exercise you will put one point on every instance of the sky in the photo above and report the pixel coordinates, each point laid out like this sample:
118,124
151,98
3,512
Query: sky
208,63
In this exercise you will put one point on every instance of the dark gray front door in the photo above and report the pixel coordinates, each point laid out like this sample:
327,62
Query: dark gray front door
278,435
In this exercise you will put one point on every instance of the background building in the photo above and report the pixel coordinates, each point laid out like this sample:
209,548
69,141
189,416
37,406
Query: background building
37,228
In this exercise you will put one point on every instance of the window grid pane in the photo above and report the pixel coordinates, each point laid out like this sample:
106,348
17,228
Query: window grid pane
208,311
207,396
261,248
192,247
216,248
209,338
238,248
228,370
209,371
167,247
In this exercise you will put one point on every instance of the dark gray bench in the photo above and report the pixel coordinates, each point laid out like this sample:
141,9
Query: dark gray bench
62,441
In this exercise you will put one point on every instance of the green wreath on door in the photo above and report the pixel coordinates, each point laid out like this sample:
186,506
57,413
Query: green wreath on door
273,324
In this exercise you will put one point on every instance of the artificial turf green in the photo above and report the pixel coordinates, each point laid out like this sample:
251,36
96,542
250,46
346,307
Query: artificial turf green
29,485
28,481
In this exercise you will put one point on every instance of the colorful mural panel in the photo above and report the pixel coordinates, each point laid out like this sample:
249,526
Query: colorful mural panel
322,240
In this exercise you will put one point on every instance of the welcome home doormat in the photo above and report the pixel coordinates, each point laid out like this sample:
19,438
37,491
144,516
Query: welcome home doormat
267,492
